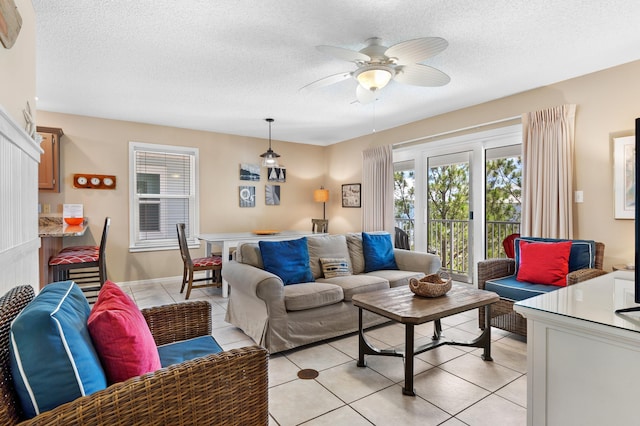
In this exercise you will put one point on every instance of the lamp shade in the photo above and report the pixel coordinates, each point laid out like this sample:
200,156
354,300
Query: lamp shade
270,158
375,77
321,195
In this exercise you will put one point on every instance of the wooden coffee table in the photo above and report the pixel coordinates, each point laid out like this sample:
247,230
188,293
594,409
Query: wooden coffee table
401,305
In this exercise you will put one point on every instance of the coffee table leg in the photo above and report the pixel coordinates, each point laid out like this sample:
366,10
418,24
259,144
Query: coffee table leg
437,330
486,334
408,361
361,342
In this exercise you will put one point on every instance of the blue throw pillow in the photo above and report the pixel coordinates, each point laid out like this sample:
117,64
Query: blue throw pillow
287,259
53,360
378,252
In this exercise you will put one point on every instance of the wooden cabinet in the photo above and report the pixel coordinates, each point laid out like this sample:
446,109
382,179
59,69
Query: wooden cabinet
49,168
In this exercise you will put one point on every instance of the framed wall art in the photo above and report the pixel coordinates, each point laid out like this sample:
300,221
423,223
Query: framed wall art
10,23
249,172
624,177
276,174
272,195
247,196
351,195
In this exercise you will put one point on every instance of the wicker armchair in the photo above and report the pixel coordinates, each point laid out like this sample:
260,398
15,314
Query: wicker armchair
502,314
227,388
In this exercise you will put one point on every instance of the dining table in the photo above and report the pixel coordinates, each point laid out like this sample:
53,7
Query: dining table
229,240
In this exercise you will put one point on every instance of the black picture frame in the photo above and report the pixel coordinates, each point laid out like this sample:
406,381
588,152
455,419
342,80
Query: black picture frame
351,195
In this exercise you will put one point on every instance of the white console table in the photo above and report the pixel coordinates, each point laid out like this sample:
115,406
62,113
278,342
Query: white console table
583,359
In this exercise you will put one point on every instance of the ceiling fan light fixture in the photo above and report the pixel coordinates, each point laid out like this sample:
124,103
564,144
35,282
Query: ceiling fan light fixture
374,77
269,158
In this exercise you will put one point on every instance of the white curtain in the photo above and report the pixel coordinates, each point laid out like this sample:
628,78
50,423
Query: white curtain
377,189
548,145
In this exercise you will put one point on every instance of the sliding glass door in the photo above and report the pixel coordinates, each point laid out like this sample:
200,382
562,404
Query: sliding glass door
462,196
450,212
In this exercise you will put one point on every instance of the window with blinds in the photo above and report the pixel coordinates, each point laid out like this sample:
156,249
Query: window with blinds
163,191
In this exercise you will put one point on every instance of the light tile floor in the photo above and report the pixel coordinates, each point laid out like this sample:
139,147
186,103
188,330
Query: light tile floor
454,385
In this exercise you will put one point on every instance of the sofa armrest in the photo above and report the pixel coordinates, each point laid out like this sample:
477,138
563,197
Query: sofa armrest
583,275
207,390
409,260
252,281
494,268
178,321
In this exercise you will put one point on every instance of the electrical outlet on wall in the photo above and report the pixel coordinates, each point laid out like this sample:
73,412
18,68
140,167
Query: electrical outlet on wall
578,196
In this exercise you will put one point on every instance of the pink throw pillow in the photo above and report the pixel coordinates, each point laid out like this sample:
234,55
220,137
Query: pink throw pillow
544,263
121,336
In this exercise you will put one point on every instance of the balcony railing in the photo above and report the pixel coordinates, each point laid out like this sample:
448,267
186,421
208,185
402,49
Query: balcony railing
497,231
449,239
407,226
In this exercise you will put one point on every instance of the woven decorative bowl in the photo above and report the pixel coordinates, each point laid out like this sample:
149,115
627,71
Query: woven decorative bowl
433,285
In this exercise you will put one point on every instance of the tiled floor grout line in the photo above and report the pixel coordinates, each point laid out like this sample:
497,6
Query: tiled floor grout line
147,294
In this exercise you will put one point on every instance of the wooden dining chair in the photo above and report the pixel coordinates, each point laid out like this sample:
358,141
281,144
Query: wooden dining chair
319,225
86,265
212,264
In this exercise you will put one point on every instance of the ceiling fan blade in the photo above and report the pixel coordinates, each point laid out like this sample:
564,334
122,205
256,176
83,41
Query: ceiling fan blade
421,75
416,50
326,81
365,96
344,54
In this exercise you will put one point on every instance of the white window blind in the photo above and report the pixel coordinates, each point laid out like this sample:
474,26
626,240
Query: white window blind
163,193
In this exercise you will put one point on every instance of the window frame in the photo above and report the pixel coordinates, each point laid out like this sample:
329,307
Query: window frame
136,244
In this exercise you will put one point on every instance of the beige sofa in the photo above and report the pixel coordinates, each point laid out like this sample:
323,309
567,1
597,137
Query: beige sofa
281,317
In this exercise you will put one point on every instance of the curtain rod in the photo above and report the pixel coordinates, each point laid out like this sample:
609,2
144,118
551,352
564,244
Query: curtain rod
449,132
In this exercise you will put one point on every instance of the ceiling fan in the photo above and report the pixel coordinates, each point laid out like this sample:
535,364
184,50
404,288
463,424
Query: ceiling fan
377,65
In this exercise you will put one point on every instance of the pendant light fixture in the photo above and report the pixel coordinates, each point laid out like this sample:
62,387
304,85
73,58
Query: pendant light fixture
270,158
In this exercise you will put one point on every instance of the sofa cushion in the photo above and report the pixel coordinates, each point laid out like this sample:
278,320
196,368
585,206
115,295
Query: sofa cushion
326,246
582,255
121,335
287,259
335,267
356,252
544,263
185,350
355,284
298,297
249,253
396,278
511,289
378,252
53,360
354,243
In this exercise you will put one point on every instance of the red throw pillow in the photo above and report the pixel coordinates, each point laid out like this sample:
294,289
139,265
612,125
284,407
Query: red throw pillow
121,335
544,263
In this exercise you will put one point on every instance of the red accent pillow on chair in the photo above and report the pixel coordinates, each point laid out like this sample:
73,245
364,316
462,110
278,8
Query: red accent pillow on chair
121,336
544,263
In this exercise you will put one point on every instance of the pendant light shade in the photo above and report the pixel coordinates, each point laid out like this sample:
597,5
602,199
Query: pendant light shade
269,158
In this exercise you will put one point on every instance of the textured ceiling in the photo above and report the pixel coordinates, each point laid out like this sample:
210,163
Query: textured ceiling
225,65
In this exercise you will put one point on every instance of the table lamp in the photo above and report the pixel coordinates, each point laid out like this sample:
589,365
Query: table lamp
321,196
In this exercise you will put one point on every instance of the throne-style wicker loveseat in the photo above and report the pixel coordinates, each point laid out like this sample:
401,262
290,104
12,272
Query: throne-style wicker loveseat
495,270
228,387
